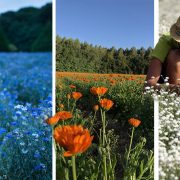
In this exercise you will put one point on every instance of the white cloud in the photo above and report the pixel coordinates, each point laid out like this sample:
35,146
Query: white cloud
14,5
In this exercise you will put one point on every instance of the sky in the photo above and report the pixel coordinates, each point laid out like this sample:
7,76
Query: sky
14,5
118,23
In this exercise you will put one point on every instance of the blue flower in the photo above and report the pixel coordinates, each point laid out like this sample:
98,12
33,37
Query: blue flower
2,131
40,167
3,155
14,123
10,136
37,154
46,139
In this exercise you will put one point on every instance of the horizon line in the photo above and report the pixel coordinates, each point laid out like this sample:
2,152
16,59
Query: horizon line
103,46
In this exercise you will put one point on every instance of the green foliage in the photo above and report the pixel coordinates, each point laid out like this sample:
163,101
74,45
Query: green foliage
3,41
139,164
29,29
75,56
44,42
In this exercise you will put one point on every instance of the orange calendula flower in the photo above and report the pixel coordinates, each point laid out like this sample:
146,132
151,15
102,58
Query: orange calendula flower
76,95
60,116
134,122
98,91
72,86
96,107
74,139
106,103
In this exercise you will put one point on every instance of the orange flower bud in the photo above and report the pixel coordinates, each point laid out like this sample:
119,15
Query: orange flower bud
72,86
68,96
96,107
76,95
134,122
61,106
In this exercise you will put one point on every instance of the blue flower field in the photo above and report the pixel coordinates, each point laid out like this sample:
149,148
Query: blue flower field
25,104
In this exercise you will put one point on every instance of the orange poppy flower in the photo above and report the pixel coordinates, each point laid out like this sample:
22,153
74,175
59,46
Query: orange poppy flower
74,139
72,86
134,122
98,91
96,107
76,95
60,116
106,103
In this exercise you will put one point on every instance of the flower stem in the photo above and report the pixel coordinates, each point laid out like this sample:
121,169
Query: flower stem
103,126
105,169
66,174
92,122
104,144
103,118
73,106
68,104
73,159
130,145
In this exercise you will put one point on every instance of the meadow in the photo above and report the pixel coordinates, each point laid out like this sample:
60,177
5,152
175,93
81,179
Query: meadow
169,135
25,103
117,116
168,130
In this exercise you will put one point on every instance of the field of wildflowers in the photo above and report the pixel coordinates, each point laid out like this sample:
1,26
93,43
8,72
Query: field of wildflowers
169,136
103,128
25,102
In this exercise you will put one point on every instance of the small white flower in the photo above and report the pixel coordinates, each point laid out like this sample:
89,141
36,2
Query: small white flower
147,88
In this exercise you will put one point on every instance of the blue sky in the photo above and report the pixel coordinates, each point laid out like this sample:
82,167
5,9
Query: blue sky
6,5
118,23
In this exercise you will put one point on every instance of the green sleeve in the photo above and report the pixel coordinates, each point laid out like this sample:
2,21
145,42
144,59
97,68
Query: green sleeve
162,48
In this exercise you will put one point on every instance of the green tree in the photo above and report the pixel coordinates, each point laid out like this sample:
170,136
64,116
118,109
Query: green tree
73,55
4,45
29,29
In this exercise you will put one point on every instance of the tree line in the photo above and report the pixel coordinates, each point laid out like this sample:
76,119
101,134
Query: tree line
75,56
29,29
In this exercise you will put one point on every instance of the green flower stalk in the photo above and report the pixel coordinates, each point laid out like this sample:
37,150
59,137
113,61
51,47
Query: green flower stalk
73,159
130,145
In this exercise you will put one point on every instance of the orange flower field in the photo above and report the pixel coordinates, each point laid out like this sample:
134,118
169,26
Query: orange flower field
111,78
102,129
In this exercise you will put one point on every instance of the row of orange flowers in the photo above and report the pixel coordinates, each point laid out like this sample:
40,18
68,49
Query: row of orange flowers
110,78
91,75
111,81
